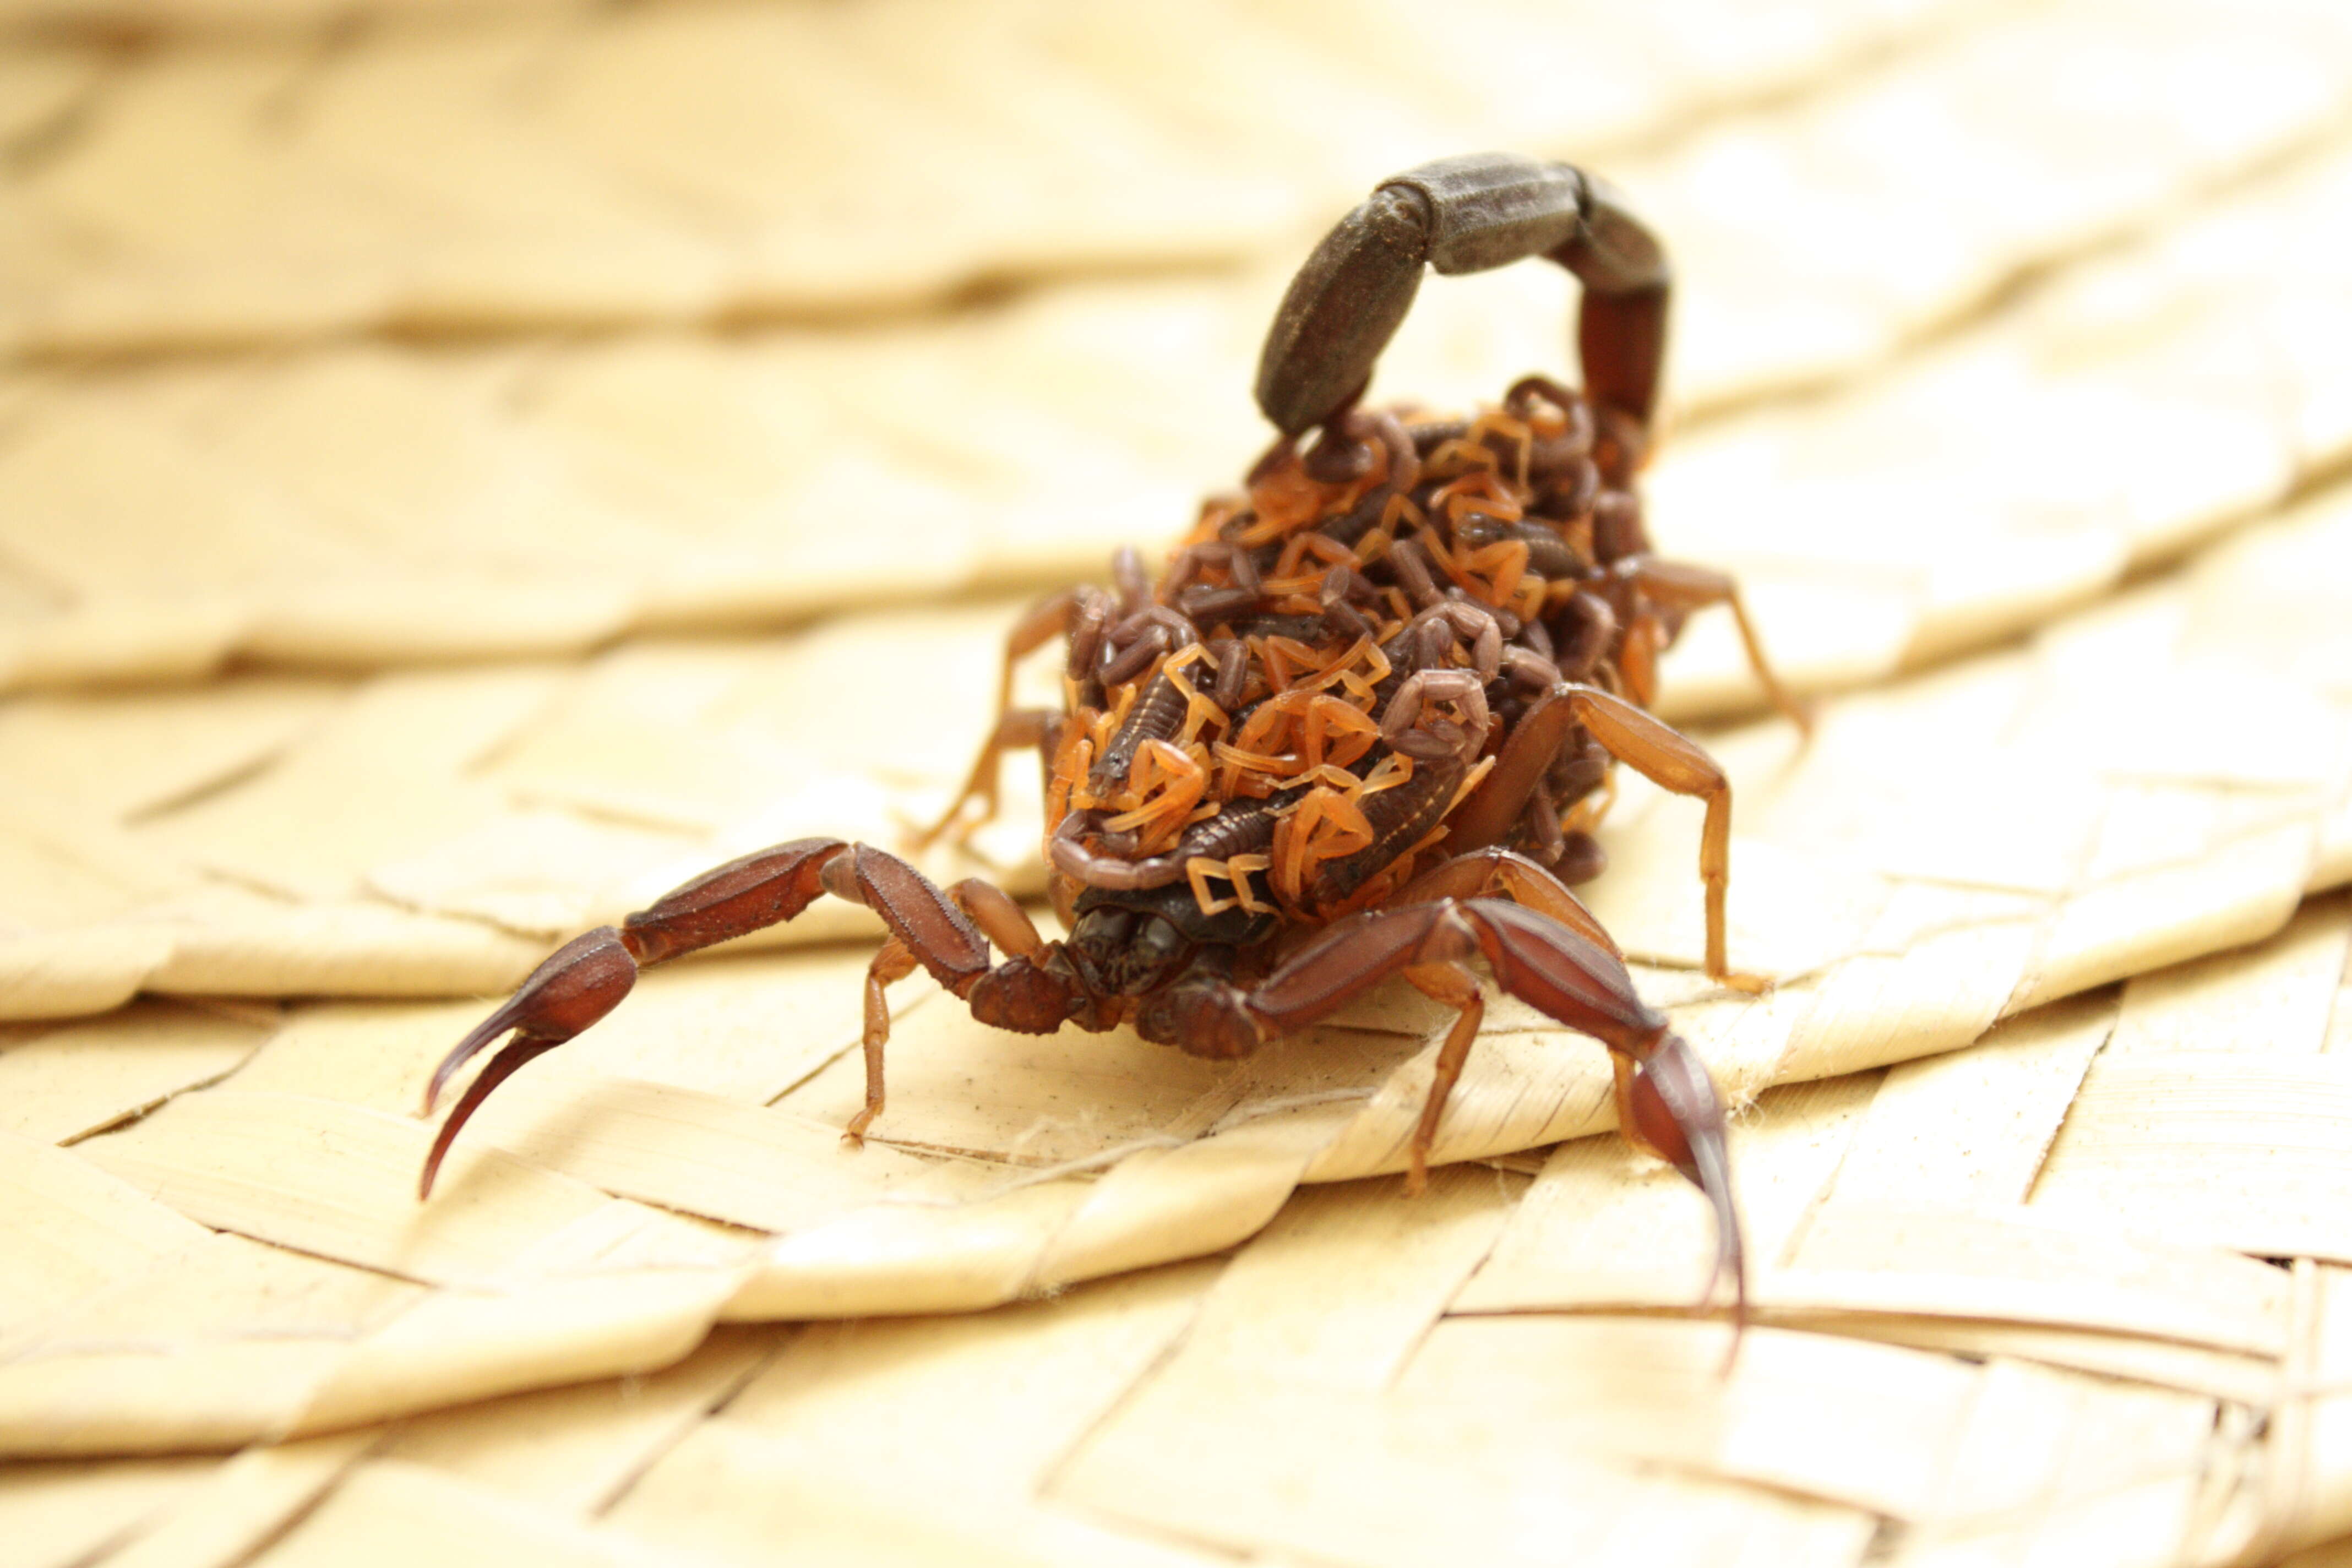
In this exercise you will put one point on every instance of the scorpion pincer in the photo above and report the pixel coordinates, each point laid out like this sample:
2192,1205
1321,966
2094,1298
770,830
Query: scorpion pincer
1362,724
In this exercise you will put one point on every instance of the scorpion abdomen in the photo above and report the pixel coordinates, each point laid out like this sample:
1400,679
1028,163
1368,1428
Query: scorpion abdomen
1157,713
1400,817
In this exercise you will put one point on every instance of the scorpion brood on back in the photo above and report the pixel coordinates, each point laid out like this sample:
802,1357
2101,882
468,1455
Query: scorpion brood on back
1361,725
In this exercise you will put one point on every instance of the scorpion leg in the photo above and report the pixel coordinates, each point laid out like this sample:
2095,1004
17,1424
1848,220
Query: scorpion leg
1056,616
1652,748
1673,762
1017,728
1667,1103
1467,214
588,977
947,934
1527,755
1452,983
895,962
1682,586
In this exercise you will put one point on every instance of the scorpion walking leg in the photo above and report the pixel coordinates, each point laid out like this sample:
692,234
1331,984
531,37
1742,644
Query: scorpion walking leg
1686,587
1455,987
1651,747
1016,729
588,977
1040,624
895,962
1672,761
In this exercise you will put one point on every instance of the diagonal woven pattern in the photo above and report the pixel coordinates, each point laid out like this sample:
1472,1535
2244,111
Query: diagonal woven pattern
443,427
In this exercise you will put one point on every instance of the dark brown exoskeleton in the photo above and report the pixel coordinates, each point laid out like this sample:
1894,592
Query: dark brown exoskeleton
1360,726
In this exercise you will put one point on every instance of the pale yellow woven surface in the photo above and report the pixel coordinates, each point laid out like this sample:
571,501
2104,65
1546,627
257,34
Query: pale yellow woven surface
2014,374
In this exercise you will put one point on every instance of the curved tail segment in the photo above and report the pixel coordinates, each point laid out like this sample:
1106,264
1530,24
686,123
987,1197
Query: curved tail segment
1470,214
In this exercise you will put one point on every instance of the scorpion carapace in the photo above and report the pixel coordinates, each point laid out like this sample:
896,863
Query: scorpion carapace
1361,724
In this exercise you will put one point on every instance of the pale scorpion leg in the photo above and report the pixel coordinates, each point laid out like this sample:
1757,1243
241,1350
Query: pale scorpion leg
1648,745
988,906
1018,730
1073,613
1680,585
895,962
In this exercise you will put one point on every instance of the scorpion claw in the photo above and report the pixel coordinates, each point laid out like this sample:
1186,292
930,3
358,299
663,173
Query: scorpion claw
584,980
1668,1105
518,1051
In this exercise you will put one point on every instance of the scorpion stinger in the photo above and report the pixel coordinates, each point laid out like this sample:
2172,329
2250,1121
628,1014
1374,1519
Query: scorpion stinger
1361,725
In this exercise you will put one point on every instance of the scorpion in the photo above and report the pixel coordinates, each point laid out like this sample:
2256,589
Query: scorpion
1361,724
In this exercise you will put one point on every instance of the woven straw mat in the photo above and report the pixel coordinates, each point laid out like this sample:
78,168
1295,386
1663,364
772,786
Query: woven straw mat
465,467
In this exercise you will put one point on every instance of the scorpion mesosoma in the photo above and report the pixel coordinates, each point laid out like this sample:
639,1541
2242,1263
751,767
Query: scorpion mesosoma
1361,725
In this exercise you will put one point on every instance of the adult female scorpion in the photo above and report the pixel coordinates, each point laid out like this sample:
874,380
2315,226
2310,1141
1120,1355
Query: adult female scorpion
1361,725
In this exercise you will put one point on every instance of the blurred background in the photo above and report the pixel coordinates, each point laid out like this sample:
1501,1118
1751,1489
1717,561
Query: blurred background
466,464
457,329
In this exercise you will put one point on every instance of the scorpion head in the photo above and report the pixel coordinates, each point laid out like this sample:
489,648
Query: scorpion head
1120,951
1155,959
1113,954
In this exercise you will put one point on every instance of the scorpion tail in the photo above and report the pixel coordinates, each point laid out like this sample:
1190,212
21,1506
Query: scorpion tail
1669,1105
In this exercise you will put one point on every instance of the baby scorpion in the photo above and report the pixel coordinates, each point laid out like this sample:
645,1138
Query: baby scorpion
1361,725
